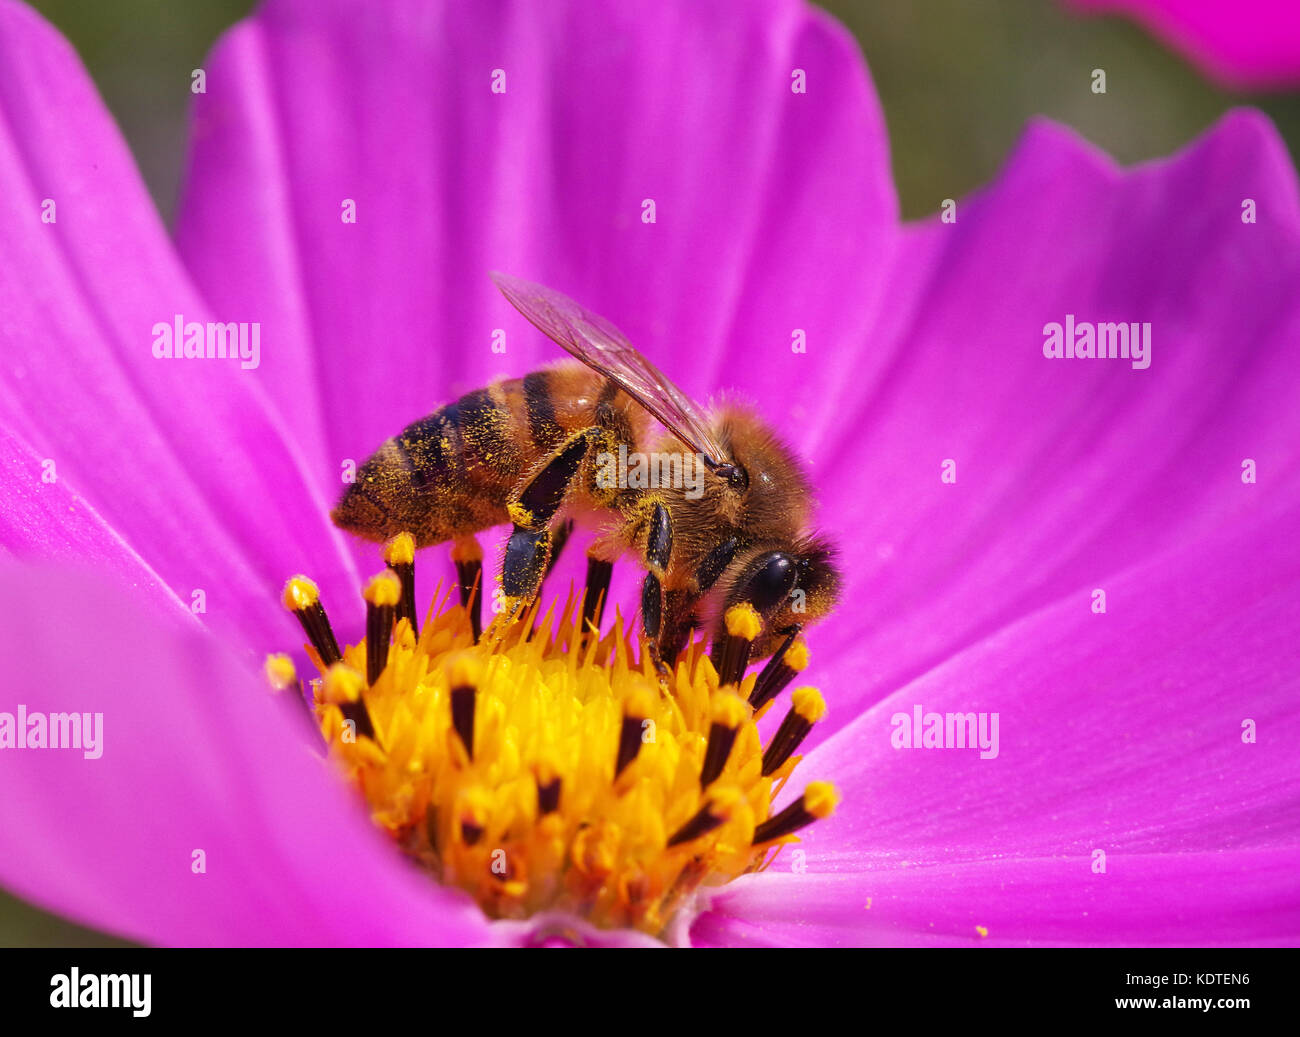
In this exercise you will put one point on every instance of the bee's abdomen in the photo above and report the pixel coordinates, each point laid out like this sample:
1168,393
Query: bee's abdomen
452,473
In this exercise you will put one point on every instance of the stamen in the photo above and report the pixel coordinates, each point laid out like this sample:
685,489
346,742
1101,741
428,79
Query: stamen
382,594
492,770
281,673
807,707
636,711
728,713
463,677
399,555
468,557
787,662
302,598
717,811
817,802
342,687
548,779
473,814
743,627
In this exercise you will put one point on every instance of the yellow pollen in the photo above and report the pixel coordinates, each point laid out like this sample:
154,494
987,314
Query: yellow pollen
743,622
808,703
280,672
300,593
797,657
466,550
820,799
464,670
729,709
400,550
342,685
532,817
383,589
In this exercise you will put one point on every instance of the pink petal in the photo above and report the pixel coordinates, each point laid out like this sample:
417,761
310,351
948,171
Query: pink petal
1247,44
50,520
1208,899
775,210
186,461
1121,732
196,755
1067,471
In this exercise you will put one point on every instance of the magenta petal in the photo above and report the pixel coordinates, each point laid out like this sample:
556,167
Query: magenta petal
1205,899
1123,732
774,209
1248,44
51,521
183,459
196,755
1067,471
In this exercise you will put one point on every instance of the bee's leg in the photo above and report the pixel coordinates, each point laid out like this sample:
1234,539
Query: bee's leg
558,539
468,557
599,573
531,511
658,551
679,621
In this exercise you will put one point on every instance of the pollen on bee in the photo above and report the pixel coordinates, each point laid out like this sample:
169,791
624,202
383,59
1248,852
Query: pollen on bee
544,770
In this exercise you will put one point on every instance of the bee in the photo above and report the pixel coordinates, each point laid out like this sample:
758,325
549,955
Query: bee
730,523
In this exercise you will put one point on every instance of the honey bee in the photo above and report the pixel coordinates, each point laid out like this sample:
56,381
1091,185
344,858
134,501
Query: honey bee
729,524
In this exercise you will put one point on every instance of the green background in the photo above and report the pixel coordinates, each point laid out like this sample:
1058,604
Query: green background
958,80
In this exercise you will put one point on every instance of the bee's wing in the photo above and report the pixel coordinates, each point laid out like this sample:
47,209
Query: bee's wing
602,347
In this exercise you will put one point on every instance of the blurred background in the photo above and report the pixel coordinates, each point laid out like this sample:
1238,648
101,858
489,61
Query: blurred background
957,78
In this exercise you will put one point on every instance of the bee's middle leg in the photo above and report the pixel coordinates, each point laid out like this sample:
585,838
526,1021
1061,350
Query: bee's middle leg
658,552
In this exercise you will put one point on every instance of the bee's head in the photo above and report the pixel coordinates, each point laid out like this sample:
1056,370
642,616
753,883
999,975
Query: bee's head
790,585
763,474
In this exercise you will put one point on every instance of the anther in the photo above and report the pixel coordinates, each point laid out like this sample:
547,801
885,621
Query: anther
382,595
790,660
399,555
468,557
817,802
463,675
743,626
636,711
547,776
728,713
473,815
342,687
806,708
302,598
715,812
281,673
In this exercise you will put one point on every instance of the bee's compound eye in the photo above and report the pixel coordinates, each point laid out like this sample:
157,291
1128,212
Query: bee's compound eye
773,579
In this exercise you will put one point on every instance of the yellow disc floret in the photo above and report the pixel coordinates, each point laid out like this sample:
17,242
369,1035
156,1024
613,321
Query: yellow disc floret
546,770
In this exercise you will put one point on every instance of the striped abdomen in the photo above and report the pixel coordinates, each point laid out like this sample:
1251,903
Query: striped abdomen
452,473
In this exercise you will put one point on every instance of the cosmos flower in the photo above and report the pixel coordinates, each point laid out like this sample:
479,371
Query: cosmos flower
1102,555
1248,44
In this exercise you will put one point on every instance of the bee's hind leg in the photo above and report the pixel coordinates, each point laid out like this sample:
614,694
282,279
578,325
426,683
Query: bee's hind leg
530,546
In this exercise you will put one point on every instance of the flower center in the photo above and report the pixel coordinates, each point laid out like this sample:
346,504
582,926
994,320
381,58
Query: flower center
541,767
